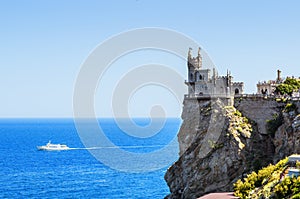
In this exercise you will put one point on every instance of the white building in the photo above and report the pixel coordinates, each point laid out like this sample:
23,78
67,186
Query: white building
268,87
204,83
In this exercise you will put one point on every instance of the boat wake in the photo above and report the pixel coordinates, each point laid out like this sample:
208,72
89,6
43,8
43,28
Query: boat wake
62,147
115,147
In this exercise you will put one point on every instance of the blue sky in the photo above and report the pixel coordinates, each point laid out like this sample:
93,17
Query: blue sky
44,43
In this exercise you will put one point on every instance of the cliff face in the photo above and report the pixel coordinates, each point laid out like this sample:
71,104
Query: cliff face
287,136
219,144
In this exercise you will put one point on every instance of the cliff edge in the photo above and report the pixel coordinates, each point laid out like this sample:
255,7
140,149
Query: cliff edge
219,144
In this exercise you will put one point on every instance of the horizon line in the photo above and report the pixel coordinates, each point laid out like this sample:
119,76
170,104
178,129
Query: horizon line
138,117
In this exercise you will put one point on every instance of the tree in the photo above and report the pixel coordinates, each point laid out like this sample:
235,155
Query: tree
288,86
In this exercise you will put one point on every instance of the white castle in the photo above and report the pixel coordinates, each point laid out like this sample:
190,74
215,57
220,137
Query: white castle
202,85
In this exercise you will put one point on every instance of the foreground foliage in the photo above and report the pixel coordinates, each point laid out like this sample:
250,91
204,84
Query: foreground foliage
267,183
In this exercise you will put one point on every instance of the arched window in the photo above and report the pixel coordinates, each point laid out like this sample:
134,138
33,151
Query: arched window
236,91
191,77
200,77
197,76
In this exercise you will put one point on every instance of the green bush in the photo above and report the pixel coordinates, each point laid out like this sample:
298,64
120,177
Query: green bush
287,188
238,113
245,120
242,189
269,175
290,107
297,196
288,86
239,129
298,164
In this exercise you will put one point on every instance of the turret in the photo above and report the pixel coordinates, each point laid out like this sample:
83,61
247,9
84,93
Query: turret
190,54
199,58
228,78
191,67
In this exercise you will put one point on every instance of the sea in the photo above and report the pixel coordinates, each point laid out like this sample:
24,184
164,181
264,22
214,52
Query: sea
26,172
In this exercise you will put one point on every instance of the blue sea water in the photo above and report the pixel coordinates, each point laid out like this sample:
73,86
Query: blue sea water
26,172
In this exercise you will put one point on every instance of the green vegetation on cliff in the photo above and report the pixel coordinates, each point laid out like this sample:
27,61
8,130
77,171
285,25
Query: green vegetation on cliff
290,107
288,86
269,182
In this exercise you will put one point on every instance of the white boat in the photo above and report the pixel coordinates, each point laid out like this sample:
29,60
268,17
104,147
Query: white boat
53,147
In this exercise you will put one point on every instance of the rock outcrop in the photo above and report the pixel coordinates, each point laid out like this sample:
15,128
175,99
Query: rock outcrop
219,144
287,136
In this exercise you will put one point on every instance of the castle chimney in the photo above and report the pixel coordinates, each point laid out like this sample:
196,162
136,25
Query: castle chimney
278,75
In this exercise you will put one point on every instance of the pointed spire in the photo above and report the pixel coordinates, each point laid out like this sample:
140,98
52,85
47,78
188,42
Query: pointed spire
199,58
190,53
214,75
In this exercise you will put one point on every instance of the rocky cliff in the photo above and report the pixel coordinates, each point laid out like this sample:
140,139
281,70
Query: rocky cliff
219,144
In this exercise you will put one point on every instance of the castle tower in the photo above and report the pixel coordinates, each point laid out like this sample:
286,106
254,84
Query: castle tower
198,77
194,65
199,58
191,67
202,85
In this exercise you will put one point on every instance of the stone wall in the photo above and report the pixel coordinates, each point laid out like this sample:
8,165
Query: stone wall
259,110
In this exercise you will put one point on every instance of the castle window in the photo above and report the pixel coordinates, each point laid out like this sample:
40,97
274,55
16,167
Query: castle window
264,91
191,77
196,76
236,91
200,77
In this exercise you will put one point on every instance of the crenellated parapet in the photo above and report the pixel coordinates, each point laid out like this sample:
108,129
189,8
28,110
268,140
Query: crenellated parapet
238,87
204,83
195,62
